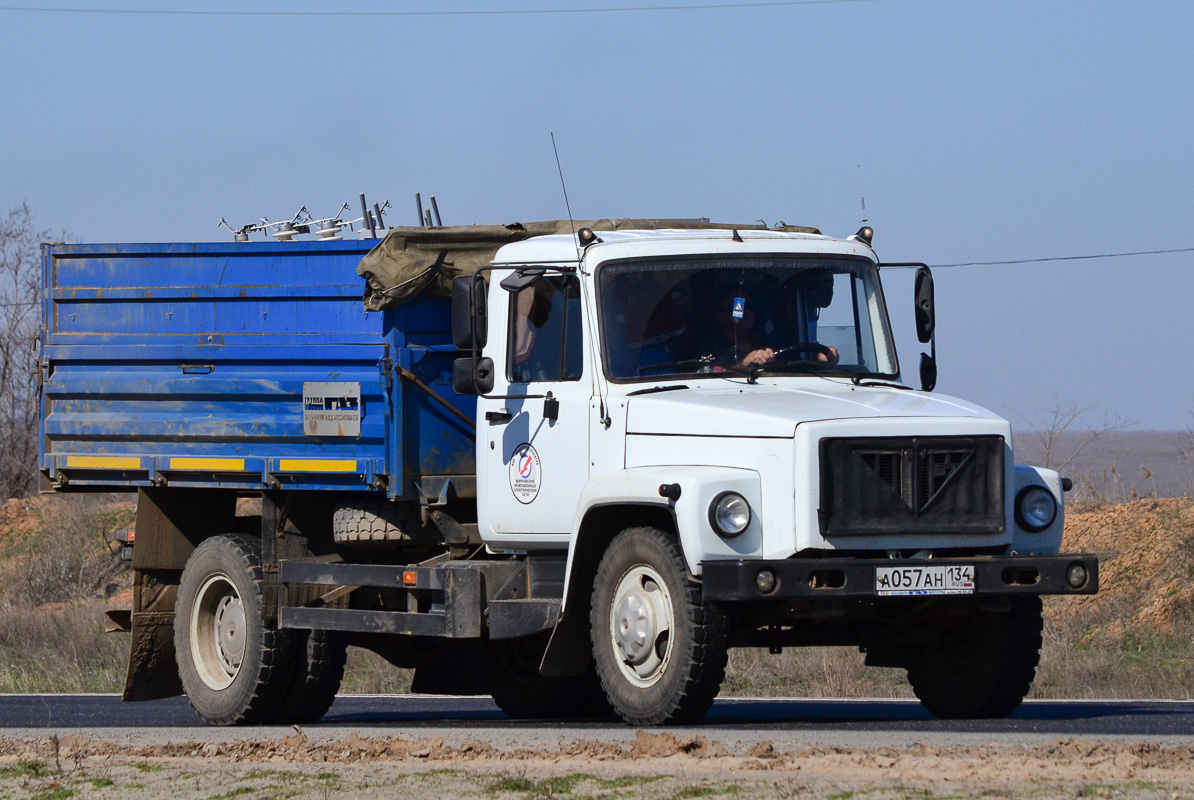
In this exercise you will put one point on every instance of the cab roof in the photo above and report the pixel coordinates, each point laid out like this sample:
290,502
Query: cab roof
558,248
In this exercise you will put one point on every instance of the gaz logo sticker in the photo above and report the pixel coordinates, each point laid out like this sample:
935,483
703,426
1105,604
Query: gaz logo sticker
525,474
331,408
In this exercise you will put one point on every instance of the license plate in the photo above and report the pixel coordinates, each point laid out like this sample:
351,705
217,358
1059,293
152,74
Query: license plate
907,581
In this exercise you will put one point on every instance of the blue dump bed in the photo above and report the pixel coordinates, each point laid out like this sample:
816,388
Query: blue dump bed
241,366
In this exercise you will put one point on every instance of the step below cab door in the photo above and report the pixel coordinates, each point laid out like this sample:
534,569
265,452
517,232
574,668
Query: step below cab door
533,428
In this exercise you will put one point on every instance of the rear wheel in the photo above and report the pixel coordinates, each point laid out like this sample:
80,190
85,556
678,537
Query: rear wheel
979,665
318,670
660,650
234,667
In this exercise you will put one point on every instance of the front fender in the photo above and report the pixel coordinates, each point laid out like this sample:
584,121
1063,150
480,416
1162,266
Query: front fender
639,487
1047,541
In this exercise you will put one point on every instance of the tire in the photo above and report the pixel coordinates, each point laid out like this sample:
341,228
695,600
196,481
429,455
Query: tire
523,693
318,670
234,667
659,649
364,522
979,665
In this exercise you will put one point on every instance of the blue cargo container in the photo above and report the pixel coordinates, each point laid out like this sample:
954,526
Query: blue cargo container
184,365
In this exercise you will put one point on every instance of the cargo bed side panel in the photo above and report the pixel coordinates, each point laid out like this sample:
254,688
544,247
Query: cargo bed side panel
247,366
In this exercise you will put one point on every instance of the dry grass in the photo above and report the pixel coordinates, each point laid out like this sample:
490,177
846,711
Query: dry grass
809,672
57,570
369,673
60,649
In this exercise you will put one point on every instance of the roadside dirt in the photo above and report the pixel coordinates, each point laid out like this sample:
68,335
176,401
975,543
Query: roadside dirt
655,765
1146,550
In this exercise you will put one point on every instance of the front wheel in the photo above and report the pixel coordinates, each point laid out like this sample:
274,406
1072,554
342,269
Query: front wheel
660,650
980,664
234,667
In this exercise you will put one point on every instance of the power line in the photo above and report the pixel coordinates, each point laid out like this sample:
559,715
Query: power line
465,13
1134,253
1065,258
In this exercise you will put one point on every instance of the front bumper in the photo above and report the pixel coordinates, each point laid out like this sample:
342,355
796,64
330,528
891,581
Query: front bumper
837,578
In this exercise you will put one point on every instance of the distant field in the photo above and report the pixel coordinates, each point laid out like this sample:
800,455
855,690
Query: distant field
1115,467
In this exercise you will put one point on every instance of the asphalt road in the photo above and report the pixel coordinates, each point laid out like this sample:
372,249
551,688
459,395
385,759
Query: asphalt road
731,719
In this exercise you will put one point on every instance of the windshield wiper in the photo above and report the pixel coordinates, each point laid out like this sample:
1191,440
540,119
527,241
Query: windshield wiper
704,362
818,367
673,387
888,384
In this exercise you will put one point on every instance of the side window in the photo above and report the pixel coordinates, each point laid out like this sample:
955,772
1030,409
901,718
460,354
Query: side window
545,332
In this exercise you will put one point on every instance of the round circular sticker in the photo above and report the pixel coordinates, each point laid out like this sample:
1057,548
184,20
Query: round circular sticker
524,473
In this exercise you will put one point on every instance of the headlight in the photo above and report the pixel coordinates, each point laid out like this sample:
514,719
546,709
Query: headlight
729,514
1036,508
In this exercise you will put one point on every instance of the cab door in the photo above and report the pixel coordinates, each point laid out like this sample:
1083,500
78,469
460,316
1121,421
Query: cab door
533,428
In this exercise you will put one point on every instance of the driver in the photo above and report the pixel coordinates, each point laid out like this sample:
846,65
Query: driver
728,333
734,324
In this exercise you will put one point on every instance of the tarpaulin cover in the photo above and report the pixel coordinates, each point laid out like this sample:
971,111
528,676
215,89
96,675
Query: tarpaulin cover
411,260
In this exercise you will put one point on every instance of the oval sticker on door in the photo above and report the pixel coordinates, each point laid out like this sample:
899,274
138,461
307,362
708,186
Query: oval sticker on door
524,473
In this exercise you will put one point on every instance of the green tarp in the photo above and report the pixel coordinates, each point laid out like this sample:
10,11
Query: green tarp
408,261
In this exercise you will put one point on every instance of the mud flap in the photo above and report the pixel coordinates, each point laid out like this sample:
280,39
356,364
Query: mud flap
152,672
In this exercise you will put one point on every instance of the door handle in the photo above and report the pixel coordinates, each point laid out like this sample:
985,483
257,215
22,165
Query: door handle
494,417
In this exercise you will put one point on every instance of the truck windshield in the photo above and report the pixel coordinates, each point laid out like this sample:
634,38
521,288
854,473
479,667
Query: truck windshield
775,314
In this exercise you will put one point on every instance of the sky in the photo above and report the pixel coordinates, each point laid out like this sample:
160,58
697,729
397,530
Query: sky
976,131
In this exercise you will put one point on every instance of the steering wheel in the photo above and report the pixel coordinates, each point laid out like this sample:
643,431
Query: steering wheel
806,347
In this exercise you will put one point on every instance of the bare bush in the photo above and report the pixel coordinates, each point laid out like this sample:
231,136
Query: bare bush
20,317
1187,460
1061,440
71,556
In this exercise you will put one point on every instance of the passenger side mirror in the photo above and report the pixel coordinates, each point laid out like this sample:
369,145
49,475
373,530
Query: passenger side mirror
925,313
472,375
928,372
470,320
926,327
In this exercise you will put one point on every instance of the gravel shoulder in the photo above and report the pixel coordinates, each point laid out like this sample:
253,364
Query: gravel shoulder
644,764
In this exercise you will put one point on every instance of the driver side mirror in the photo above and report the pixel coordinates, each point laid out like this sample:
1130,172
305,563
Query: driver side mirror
926,327
470,326
470,320
472,375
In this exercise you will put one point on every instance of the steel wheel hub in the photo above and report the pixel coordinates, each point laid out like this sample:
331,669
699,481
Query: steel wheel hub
640,625
218,632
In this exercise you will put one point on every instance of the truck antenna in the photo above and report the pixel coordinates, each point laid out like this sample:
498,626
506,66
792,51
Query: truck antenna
861,196
563,186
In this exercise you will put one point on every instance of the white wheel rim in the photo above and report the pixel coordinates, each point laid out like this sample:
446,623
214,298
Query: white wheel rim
218,632
640,625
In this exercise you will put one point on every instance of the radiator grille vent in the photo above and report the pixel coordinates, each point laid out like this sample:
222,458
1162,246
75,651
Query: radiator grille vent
915,485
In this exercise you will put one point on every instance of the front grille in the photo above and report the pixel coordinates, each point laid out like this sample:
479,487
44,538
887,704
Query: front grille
915,485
